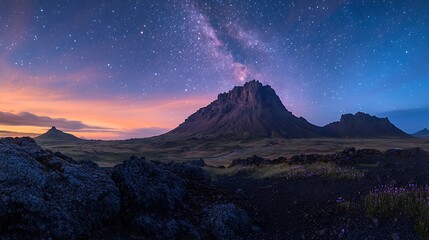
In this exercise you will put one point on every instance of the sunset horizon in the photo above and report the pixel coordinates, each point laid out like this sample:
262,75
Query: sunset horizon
125,73
34,125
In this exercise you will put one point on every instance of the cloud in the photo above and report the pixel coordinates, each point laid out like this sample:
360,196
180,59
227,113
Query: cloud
29,119
400,112
149,132
133,133
142,132
4,133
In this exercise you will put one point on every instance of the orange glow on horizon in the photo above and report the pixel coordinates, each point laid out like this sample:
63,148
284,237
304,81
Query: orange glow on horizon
120,117
24,92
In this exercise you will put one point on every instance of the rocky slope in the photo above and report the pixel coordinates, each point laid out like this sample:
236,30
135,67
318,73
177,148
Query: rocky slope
422,134
54,134
362,125
249,111
46,195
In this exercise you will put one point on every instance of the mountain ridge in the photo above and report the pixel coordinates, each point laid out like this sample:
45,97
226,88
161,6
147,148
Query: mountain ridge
254,110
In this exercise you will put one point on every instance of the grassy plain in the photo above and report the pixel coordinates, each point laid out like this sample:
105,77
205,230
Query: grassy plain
220,152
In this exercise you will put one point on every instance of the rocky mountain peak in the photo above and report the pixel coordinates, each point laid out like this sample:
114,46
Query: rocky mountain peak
251,110
422,133
54,134
360,117
53,129
252,94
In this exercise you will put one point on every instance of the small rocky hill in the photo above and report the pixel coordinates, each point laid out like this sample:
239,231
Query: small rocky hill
362,125
422,134
54,134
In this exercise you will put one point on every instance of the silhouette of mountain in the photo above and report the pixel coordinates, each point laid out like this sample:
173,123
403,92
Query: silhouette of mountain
422,134
362,125
249,111
57,135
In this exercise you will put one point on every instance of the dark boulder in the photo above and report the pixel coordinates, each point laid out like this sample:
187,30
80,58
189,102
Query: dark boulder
170,201
196,163
250,161
279,160
306,158
42,195
369,152
145,187
351,156
226,221
156,228
411,152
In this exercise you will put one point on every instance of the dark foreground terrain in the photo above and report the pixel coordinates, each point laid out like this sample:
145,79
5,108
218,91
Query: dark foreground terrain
362,194
353,194
46,195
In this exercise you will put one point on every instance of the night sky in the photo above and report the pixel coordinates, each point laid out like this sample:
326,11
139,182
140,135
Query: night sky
121,69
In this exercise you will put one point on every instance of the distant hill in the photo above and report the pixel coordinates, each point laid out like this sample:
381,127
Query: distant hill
362,125
421,134
249,111
57,135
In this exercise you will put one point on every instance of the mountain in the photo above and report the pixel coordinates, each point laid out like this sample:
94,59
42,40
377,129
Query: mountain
422,134
362,125
57,135
255,111
249,111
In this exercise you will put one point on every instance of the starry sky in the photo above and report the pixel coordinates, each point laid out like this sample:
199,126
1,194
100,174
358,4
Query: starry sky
123,69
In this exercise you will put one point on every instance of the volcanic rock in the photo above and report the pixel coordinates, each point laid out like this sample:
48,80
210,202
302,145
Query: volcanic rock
42,195
176,201
46,195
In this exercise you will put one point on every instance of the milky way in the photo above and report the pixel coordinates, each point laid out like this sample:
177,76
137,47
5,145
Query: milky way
323,58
